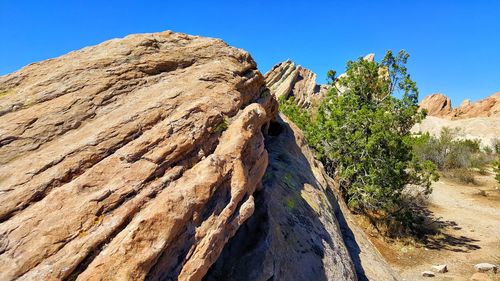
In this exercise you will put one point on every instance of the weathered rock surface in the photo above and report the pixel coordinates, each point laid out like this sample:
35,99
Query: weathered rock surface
436,105
439,105
485,267
428,274
136,158
287,79
440,268
487,107
297,227
141,158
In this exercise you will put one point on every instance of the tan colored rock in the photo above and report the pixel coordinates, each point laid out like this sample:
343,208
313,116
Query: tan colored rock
370,57
439,105
487,107
298,231
436,105
136,158
287,79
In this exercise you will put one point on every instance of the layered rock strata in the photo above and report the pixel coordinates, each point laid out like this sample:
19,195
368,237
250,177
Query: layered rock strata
134,159
287,79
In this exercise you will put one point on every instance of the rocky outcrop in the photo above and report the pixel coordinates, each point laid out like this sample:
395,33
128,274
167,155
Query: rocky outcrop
436,105
476,121
487,107
134,159
439,105
161,157
298,227
287,79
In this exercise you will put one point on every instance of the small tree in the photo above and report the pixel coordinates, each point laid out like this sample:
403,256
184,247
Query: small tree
362,134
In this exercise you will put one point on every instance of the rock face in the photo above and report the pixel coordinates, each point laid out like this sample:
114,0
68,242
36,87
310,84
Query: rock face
161,157
287,79
479,120
436,105
297,227
294,234
439,105
487,107
134,159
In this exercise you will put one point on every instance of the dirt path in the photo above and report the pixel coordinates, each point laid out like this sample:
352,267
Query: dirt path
471,233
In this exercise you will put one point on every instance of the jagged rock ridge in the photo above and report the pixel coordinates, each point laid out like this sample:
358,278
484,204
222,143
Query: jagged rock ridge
287,79
439,105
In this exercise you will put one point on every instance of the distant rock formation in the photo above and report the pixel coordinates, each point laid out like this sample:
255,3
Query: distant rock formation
287,79
436,105
439,105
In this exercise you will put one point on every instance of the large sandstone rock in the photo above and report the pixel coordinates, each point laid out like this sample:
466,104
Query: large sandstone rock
287,79
436,105
298,225
136,158
439,105
488,107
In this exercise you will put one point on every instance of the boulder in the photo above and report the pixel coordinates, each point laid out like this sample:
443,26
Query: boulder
441,268
136,158
436,105
485,267
428,274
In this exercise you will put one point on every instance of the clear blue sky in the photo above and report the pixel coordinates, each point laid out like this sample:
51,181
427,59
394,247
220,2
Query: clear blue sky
454,45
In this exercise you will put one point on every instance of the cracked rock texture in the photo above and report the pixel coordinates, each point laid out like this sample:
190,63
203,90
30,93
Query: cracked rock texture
134,159
298,231
287,79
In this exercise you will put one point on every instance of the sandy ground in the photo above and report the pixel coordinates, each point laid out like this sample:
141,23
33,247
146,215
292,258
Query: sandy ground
470,233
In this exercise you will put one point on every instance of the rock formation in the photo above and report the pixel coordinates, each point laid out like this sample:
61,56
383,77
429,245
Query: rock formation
136,158
439,105
287,79
436,105
298,224
141,158
479,120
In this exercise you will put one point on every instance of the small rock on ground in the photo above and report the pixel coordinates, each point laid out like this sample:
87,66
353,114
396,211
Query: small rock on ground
440,268
484,267
428,274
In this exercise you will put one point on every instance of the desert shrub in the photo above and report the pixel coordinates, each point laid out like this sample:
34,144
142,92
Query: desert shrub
362,136
461,175
488,150
496,146
448,152
496,169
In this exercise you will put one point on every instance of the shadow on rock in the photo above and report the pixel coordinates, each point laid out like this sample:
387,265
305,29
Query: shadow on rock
293,233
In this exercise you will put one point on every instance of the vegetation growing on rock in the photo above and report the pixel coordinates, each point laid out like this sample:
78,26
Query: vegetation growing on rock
362,136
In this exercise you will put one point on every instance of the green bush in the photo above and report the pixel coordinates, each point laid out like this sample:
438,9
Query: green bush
448,152
362,135
496,168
